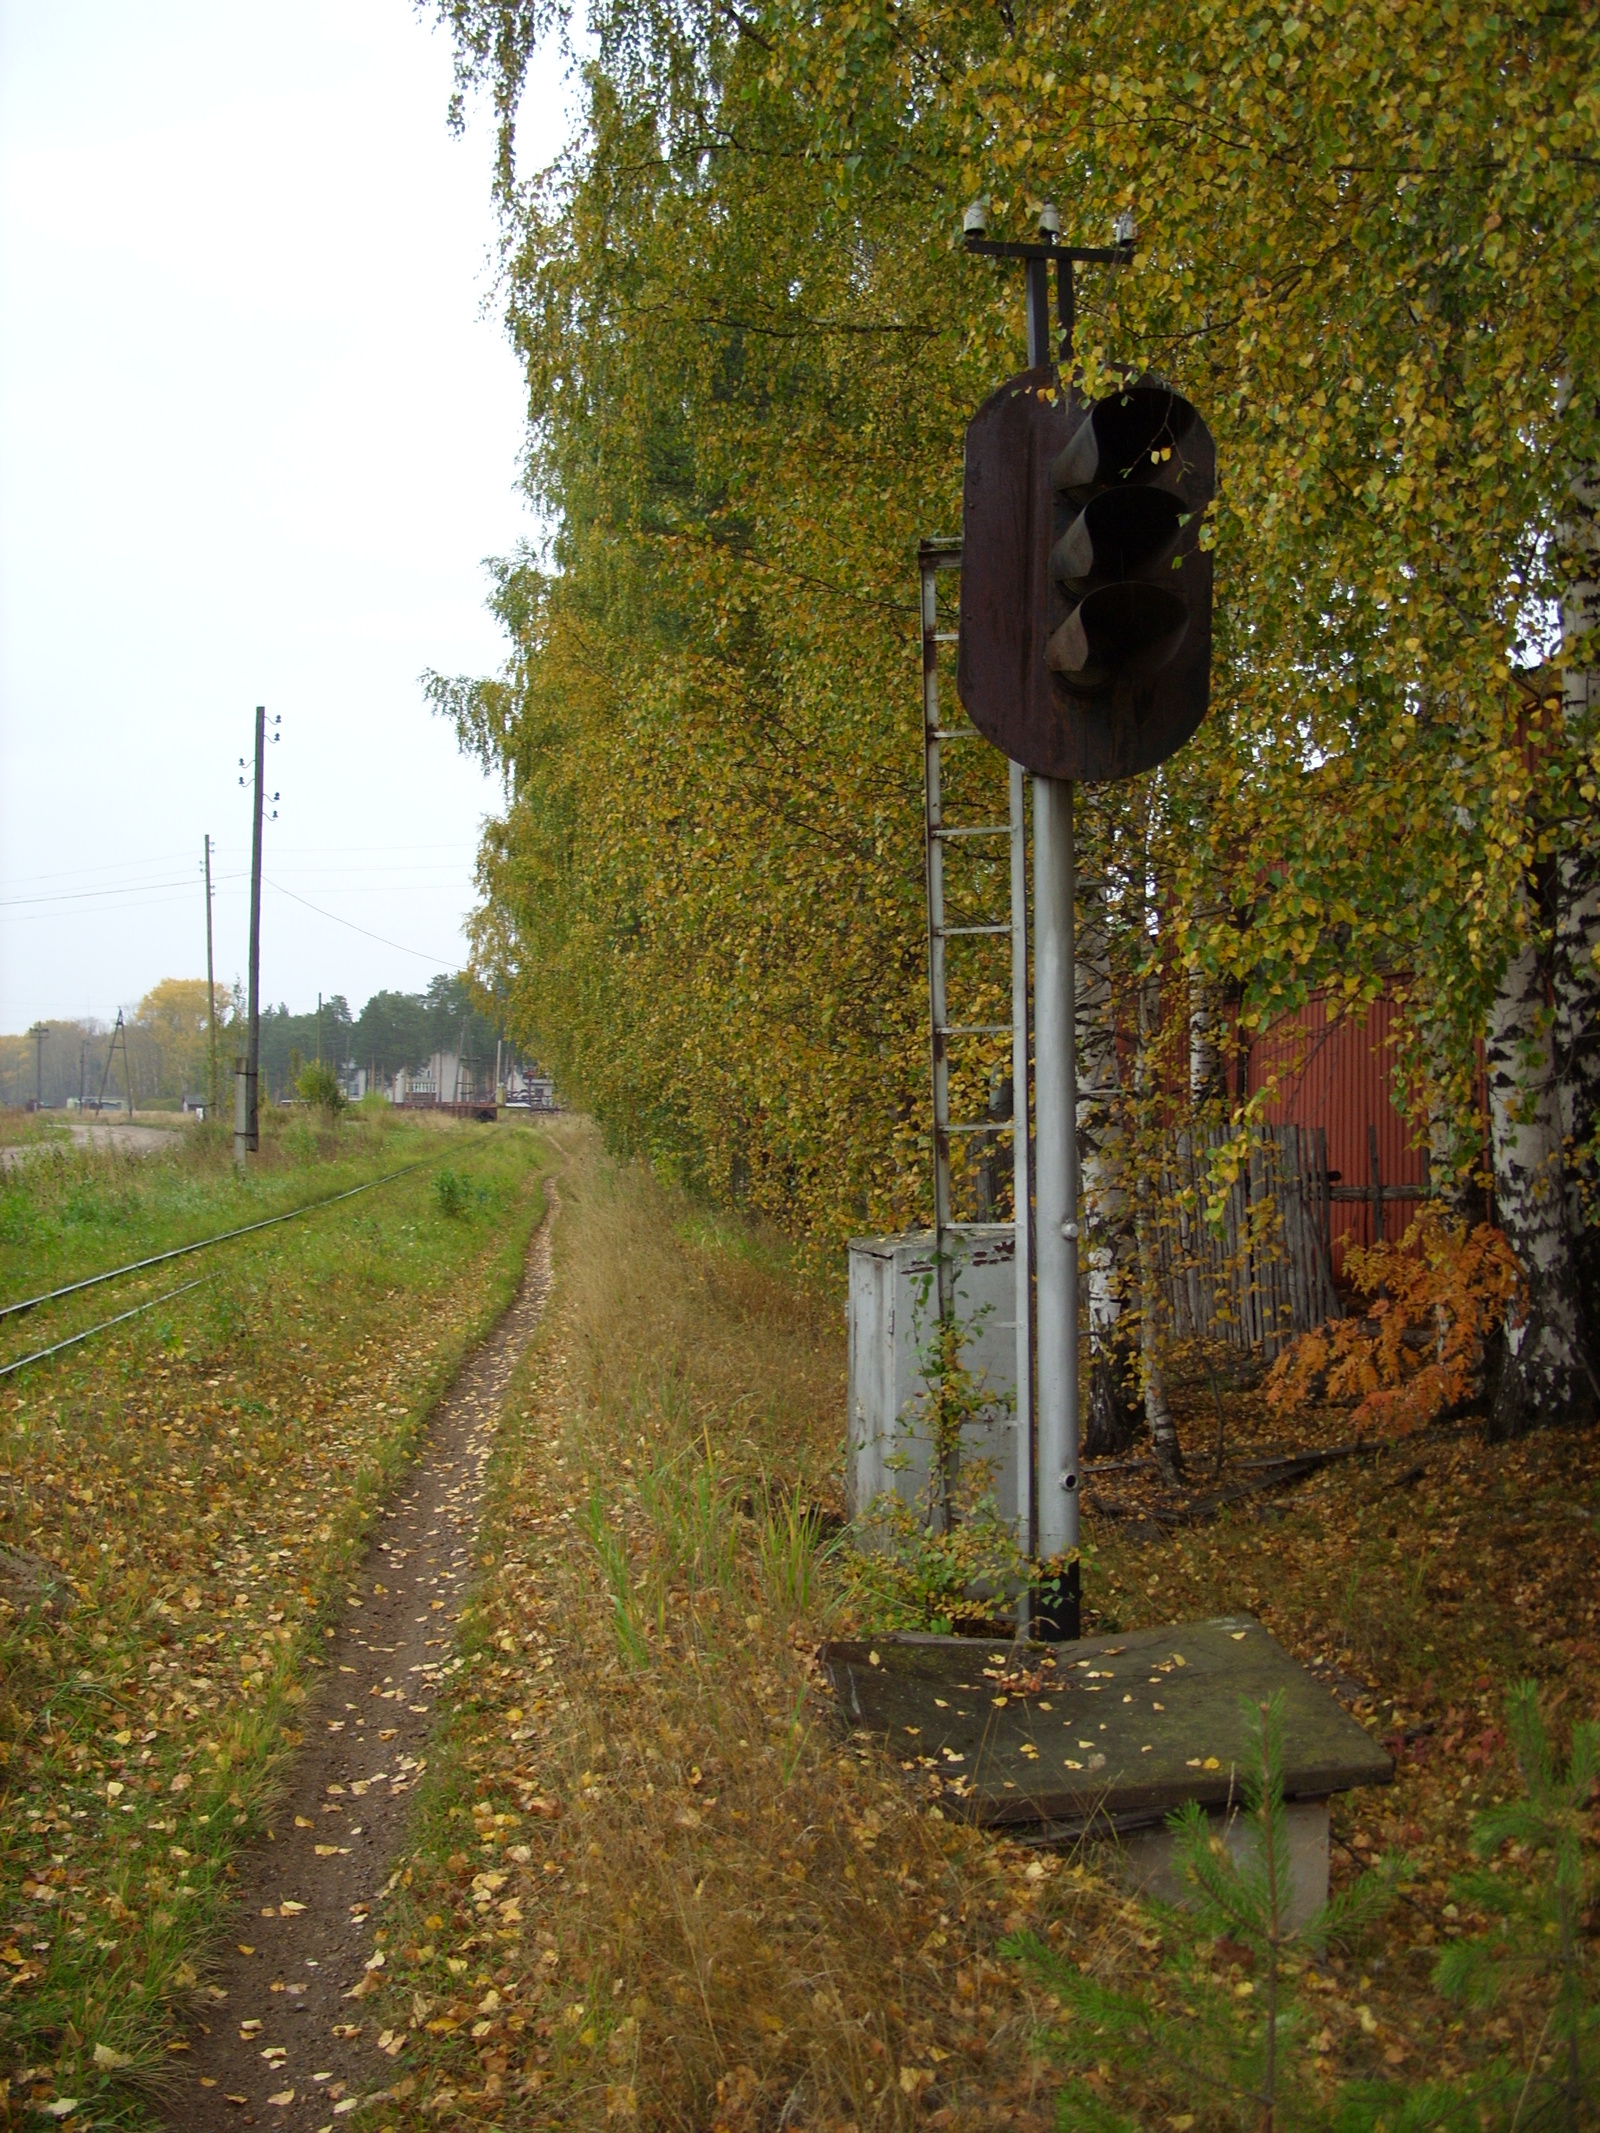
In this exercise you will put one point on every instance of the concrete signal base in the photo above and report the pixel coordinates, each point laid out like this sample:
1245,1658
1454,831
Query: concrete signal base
1147,1858
1098,1741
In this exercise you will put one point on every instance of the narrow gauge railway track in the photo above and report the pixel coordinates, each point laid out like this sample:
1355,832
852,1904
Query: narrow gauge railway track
180,1251
201,1244
41,1355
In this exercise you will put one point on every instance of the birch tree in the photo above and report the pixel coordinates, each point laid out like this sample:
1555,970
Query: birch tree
751,343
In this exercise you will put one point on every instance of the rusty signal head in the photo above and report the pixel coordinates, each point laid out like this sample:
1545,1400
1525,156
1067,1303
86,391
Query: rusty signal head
1085,594
1117,489
1129,437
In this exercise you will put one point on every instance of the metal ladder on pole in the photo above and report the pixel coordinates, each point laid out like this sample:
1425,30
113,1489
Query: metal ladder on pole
935,557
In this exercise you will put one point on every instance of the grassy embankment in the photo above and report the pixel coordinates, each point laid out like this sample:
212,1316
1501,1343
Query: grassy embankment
178,1498
651,1881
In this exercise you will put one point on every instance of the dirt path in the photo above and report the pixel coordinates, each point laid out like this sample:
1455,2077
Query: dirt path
281,2040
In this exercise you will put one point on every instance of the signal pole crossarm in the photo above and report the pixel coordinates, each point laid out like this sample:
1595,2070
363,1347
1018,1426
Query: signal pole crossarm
1038,257
1082,255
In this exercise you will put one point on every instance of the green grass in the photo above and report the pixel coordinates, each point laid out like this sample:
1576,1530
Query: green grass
68,1212
27,1129
179,1502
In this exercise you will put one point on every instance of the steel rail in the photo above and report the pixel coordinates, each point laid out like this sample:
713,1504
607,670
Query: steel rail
40,1355
181,1251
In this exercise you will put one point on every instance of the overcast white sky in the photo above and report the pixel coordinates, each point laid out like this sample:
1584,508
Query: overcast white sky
256,437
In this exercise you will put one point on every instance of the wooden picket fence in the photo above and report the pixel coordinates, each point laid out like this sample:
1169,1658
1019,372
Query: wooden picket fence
1267,1275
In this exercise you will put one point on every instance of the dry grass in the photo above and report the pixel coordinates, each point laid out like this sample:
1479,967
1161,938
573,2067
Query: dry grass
655,1885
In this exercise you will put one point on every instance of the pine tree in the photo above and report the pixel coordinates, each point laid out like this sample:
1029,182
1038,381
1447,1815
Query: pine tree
1234,2051
1540,1935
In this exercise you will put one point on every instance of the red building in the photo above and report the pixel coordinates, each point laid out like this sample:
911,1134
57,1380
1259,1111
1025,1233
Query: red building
1339,1075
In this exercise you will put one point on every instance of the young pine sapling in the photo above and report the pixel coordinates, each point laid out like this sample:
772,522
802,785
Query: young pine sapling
1186,2034
1539,1905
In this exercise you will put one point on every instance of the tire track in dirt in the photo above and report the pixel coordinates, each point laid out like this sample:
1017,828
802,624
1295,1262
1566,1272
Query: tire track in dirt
280,2038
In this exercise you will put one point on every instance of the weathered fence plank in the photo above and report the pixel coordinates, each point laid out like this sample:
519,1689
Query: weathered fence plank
1264,1276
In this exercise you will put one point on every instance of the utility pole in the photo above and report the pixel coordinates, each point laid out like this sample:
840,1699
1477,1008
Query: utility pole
211,998
38,1033
247,1066
121,1030
319,1029
83,1069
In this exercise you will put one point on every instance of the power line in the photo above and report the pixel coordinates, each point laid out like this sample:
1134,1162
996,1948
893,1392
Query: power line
162,859
421,956
110,866
148,888
155,902
130,888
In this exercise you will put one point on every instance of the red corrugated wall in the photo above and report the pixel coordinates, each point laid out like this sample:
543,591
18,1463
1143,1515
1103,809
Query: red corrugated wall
1338,1076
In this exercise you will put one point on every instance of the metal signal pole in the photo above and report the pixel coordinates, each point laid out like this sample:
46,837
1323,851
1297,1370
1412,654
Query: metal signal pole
211,998
1054,1606
1084,653
1056,1602
247,1067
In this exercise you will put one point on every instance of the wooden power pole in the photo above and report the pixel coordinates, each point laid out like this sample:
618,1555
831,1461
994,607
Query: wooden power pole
247,1067
211,998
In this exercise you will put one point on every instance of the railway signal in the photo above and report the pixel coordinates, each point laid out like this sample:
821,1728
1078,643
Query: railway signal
1085,593
1084,653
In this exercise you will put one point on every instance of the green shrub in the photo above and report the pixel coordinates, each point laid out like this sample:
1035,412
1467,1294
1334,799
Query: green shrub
318,1084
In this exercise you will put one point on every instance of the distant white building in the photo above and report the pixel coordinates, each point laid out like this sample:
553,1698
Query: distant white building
446,1079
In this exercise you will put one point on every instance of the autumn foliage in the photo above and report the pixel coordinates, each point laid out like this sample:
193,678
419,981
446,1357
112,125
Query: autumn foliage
751,343
1416,1348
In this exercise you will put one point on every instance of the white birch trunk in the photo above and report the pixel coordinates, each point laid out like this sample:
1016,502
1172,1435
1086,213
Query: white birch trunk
1542,1376
1208,1083
1152,1296
1575,987
1543,1060
1575,969
1113,1418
